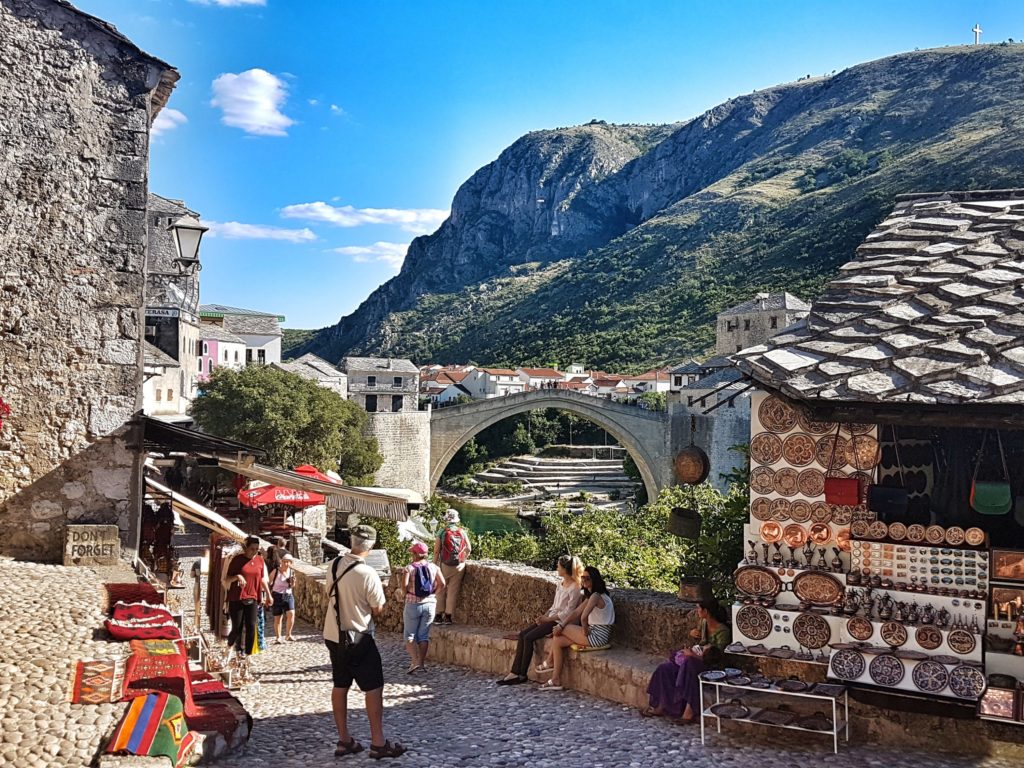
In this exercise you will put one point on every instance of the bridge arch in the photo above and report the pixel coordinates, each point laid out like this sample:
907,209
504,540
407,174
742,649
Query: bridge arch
642,433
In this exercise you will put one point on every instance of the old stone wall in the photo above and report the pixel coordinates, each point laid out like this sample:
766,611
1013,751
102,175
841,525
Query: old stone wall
404,440
74,114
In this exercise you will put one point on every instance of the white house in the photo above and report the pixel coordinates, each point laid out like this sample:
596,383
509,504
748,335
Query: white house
220,349
484,383
314,368
261,331
658,380
539,378
611,387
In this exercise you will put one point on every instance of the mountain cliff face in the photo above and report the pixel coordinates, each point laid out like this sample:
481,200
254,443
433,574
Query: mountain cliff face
616,245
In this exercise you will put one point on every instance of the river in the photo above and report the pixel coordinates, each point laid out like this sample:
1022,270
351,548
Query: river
482,519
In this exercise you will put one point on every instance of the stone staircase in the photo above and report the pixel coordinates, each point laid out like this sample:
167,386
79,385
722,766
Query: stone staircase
561,476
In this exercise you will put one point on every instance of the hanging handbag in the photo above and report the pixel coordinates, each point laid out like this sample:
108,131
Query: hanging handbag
991,497
890,502
844,491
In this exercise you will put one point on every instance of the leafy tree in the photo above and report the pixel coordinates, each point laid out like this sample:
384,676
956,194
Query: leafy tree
655,401
293,419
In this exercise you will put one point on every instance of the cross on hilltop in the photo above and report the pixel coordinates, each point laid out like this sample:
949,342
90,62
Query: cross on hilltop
977,33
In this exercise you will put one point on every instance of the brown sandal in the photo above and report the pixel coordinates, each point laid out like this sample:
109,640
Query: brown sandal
352,748
387,750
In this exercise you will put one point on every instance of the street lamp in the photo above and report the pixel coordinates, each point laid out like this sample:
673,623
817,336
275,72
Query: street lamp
188,232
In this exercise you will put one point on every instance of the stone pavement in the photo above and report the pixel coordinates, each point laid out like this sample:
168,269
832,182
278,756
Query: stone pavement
453,716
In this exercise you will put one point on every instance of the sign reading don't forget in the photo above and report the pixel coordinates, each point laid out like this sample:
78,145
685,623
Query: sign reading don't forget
92,545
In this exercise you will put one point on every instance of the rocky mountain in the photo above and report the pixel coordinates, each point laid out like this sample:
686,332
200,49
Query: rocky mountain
616,245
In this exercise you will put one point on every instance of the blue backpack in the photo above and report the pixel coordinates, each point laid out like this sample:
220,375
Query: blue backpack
423,580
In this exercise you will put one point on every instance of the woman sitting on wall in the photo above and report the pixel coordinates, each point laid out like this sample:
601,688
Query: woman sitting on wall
674,689
596,616
567,598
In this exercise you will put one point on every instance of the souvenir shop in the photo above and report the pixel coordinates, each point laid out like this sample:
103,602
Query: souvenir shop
889,552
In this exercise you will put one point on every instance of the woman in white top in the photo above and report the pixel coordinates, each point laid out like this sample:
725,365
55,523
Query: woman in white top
567,598
596,616
281,580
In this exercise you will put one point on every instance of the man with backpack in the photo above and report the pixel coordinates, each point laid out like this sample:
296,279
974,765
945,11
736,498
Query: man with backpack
420,582
355,597
451,550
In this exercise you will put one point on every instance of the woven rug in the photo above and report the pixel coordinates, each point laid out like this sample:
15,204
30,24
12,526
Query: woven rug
132,592
154,725
97,681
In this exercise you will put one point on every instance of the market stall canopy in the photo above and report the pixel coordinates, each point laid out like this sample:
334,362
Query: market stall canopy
196,512
388,504
163,437
929,315
274,494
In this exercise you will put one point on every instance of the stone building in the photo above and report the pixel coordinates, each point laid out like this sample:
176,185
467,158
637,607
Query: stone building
382,384
261,331
77,99
754,322
314,368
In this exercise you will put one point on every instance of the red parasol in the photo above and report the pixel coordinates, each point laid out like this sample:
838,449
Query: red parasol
257,494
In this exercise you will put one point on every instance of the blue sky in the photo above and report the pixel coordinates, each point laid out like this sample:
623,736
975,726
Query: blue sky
321,136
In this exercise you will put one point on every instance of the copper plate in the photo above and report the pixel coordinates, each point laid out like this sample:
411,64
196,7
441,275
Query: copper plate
757,581
799,449
800,511
915,533
894,633
771,532
812,425
821,513
928,638
818,588
811,482
935,534
836,473
820,534
811,631
961,641
775,415
761,479
863,452
857,429
825,448
842,514
843,539
765,448
760,508
785,481
974,537
897,531
859,529
955,536
865,480
860,628
780,510
754,622
794,535
877,530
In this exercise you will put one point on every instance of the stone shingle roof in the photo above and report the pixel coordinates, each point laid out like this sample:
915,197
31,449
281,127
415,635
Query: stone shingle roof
223,310
768,302
716,379
931,312
253,325
691,367
396,364
212,332
154,357
312,367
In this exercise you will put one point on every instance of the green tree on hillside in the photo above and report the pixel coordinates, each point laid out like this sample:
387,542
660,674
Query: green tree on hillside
293,419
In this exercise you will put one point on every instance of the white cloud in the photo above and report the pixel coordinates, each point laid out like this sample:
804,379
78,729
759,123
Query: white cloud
313,102
167,120
391,254
229,3
335,109
233,230
252,101
416,220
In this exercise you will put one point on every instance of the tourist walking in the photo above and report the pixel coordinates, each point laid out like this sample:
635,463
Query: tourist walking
421,580
281,582
567,598
674,689
246,585
596,615
451,550
355,597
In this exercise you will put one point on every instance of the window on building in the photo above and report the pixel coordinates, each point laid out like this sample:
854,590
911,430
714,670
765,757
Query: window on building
371,403
226,355
739,347
159,394
371,381
236,355
730,326
731,402
261,356
396,403
248,356
170,395
206,348
774,322
746,325
689,400
201,364
677,381
398,382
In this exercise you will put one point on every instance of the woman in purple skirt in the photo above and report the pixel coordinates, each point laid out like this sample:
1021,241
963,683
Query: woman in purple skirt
675,686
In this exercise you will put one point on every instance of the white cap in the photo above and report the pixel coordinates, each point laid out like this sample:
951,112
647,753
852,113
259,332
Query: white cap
451,516
287,557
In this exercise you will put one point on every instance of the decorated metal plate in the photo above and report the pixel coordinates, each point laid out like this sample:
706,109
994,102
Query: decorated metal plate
811,482
811,631
780,510
820,534
821,513
785,481
897,531
713,675
758,650
865,480
800,511
857,429
776,416
864,452
961,641
739,680
754,622
935,535
815,427
859,529
847,664
818,588
860,628
842,514
730,710
967,682
771,532
955,536
886,670
774,717
819,721
915,533
781,653
792,686
761,479
836,473
843,539
794,535
893,633
928,637
831,452
766,448
757,581
761,508
799,449
877,530
974,537
930,676
829,689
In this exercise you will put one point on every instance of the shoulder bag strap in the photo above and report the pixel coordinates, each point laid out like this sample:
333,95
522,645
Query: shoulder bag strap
337,593
1002,456
899,461
981,456
835,444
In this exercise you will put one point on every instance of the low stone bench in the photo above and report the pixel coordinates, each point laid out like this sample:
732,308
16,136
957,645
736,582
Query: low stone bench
617,674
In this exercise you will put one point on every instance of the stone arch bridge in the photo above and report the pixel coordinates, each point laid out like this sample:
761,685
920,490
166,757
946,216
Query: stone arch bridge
646,435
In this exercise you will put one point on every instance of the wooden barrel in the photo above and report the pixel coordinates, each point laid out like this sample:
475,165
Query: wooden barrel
692,466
